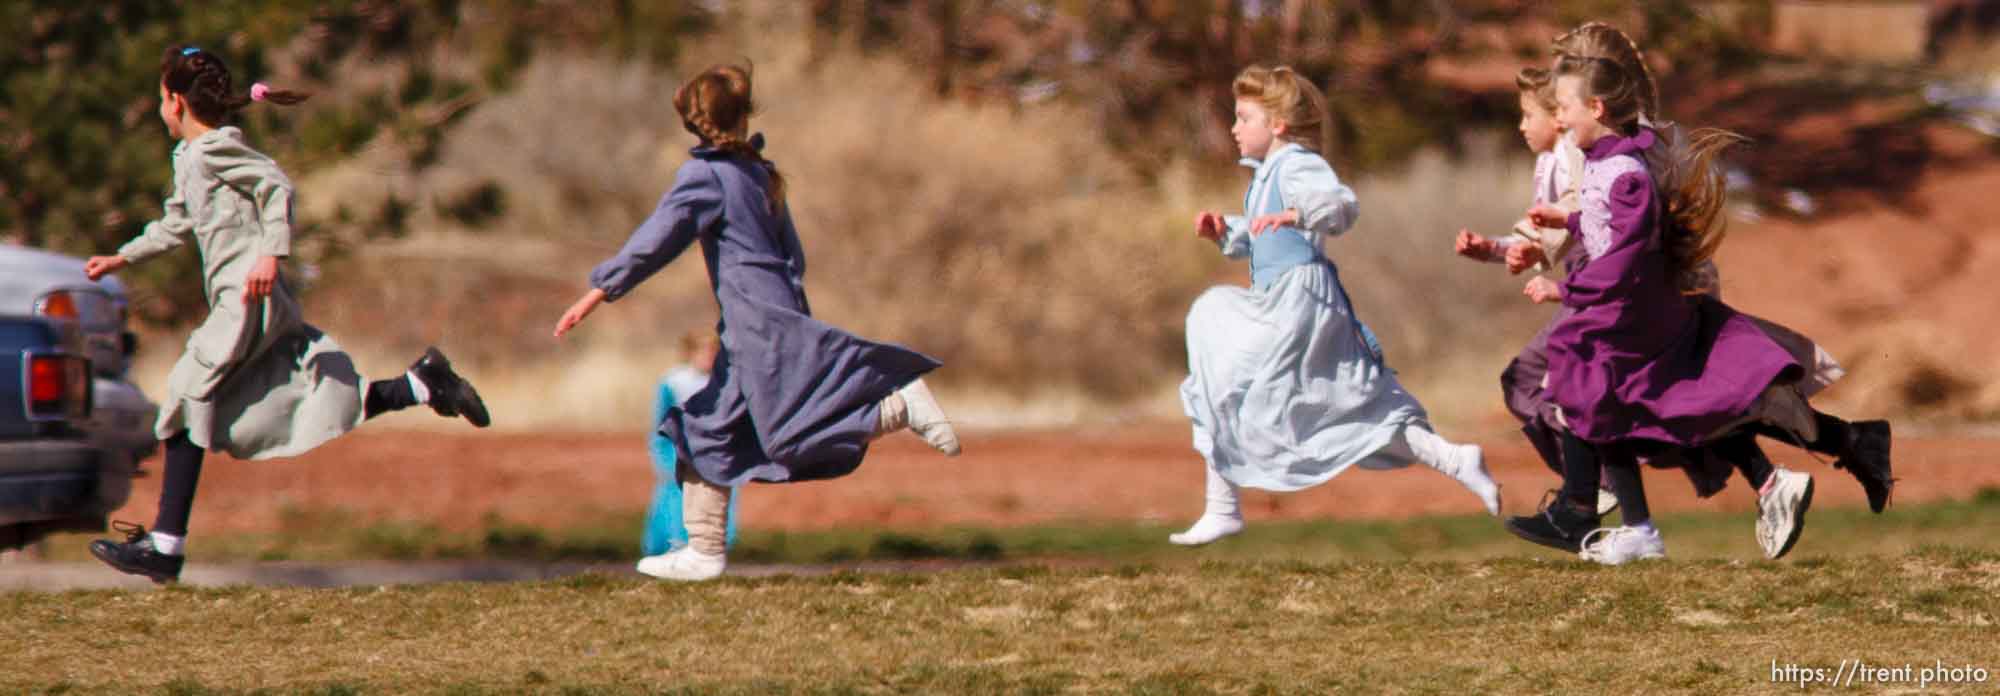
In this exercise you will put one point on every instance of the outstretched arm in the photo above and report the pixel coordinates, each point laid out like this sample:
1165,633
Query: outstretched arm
692,205
160,236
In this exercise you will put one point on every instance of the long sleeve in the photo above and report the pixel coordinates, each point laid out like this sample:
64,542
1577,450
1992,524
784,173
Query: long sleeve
165,234
1624,237
269,190
690,207
1235,241
1326,206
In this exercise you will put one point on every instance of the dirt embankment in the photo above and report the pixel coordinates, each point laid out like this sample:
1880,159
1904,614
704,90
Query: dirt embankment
1132,473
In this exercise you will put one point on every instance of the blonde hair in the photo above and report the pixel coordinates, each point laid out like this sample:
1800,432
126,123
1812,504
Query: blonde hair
713,106
1600,40
696,341
1289,97
1539,84
1687,173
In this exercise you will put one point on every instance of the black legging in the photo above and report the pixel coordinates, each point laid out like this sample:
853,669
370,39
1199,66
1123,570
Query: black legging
1835,435
1740,448
1581,476
177,490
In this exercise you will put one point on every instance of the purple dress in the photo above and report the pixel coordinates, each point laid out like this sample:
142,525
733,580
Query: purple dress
1637,360
791,398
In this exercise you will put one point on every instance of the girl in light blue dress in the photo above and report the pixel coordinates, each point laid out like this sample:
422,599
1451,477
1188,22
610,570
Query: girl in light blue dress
1286,388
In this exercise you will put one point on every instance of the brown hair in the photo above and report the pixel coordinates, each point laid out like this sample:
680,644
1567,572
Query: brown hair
714,105
1539,84
203,80
1600,40
1687,172
1287,96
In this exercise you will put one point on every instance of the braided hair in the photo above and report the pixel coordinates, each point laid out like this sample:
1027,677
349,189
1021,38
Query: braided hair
203,80
716,106
1600,40
1687,170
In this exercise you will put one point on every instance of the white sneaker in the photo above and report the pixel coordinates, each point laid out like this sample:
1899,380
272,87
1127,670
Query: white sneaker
685,564
927,418
1619,545
1207,529
1606,502
1781,511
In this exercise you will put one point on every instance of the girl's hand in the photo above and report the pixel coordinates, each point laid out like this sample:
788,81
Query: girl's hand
100,266
1545,215
1273,221
263,276
576,312
1541,290
1264,223
1209,226
1521,257
1474,247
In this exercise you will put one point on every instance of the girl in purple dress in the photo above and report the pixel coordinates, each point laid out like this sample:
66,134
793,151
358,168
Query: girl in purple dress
1691,233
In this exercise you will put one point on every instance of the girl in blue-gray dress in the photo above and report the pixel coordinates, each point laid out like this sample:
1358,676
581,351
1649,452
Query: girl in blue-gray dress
791,398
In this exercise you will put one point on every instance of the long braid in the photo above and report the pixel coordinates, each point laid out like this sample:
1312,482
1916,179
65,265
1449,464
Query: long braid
714,106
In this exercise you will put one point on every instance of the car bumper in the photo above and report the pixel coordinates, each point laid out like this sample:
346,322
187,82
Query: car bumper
51,480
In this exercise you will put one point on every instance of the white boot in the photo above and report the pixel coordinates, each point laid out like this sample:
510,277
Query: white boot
684,564
1464,463
913,407
705,511
1222,517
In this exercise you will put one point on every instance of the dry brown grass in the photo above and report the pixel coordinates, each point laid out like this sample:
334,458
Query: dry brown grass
1497,626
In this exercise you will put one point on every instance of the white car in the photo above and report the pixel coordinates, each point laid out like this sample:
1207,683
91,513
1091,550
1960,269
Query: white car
116,421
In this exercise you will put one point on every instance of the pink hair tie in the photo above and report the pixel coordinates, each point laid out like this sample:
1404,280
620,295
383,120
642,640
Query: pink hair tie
259,91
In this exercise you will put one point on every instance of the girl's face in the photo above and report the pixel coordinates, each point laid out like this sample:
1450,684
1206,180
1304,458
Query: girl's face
173,110
1577,115
1255,131
1538,126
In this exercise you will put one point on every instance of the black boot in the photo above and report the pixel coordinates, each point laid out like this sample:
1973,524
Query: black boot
1867,458
136,556
451,395
1558,525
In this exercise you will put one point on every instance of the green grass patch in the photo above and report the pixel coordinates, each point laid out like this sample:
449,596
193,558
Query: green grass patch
335,535
1507,625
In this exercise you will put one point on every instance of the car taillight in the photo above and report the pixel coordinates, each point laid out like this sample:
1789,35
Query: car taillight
45,382
58,304
58,386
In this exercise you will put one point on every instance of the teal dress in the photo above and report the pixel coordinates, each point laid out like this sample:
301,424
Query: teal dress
664,529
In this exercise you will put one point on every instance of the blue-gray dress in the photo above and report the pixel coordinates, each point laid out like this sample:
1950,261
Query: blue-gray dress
791,398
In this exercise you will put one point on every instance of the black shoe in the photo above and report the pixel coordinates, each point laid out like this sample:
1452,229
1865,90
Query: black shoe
451,395
1868,460
136,556
1558,525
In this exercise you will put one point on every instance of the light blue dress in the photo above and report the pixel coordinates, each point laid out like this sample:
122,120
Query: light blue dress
1285,387
664,529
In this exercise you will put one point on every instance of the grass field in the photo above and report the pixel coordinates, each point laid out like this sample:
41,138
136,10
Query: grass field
1513,625
1428,605
333,535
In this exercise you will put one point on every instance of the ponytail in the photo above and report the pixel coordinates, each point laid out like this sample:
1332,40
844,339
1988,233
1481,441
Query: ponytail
203,79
